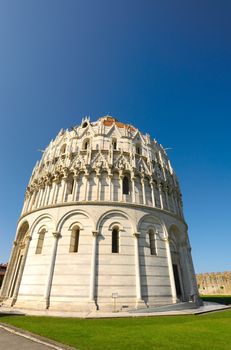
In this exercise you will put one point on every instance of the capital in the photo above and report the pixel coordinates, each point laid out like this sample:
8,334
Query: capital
142,180
56,234
136,234
27,238
95,233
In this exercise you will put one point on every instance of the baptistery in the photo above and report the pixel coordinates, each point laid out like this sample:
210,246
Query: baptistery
102,225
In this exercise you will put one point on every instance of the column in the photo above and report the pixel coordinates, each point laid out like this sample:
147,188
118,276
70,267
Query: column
121,187
28,203
55,184
196,298
5,289
86,187
48,194
98,187
31,201
64,189
153,194
133,189
175,204
139,301
161,198
38,197
56,235
21,268
143,190
111,198
170,269
167,201
92,300
35,199
24,205
45,195
74,194
41,196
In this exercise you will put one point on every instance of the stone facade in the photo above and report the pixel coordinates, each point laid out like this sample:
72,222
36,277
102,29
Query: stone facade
102,217
214,283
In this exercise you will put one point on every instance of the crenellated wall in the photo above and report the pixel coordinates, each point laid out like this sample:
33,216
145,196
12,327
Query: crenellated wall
214,283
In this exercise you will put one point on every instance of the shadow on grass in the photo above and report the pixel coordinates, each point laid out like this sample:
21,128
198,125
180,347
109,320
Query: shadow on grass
7,314
221,299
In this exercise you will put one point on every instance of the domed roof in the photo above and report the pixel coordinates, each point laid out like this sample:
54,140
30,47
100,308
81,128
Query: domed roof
107,146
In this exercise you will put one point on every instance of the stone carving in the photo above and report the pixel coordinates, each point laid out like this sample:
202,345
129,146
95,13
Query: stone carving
55,167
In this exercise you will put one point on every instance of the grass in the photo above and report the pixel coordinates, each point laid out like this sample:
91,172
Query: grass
222,299
201,332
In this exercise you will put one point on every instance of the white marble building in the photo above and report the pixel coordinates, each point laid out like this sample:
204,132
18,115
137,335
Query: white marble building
102,218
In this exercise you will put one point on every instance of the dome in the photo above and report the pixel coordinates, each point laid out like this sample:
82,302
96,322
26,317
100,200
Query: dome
102,216
117,153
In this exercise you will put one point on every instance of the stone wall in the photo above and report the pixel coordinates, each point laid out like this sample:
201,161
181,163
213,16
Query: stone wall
214,283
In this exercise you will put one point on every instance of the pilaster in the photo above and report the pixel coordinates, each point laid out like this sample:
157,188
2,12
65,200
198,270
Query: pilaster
139,301
92,301
56,235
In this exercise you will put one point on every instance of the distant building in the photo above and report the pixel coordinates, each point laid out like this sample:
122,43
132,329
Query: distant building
2,272
214,283
102,219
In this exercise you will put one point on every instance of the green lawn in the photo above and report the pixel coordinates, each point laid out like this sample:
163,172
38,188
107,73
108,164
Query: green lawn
210,331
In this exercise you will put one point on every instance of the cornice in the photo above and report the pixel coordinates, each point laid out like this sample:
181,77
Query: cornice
107,204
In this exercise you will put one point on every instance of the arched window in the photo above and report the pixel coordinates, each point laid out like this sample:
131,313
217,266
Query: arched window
85,144
74,243
114,144
70,184
115,241
138,148
41,237
125,185
63,149
152,242
85,124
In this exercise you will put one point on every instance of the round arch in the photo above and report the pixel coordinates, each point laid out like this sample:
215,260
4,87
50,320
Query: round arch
74,224
22,230
153,218
120,212
68,215
43,228
176,234
42,217
115,224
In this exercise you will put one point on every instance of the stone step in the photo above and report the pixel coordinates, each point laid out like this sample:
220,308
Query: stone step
165,308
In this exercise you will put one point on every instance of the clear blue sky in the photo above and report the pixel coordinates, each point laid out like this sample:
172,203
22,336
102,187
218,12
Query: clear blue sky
164,66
